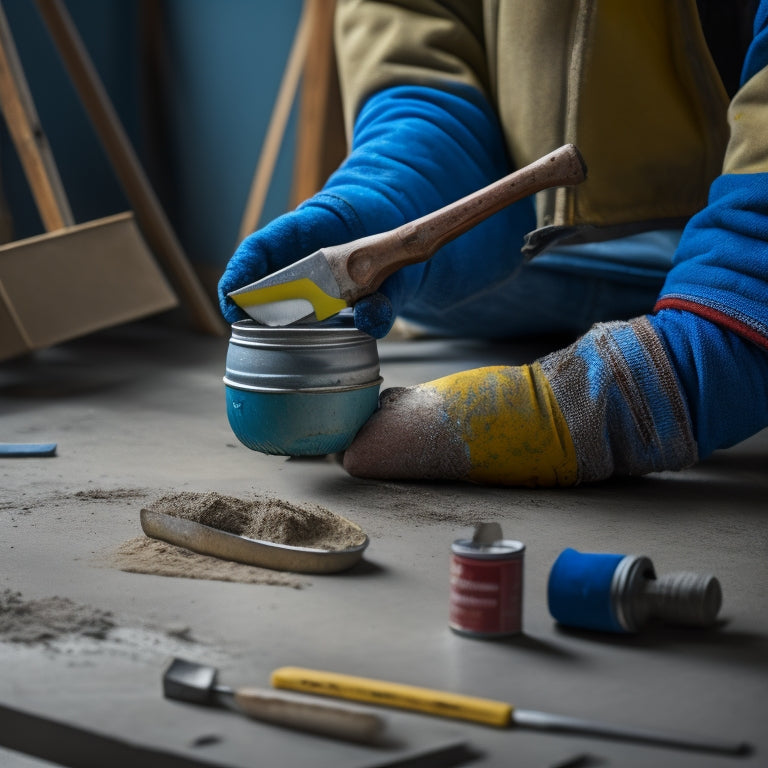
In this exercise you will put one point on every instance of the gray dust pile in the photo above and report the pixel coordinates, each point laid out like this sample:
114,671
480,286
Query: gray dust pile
49,619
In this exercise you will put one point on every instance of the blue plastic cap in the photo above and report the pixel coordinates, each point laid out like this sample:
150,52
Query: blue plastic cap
579,590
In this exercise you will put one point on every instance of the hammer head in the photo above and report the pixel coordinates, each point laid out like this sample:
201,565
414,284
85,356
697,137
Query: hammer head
188,681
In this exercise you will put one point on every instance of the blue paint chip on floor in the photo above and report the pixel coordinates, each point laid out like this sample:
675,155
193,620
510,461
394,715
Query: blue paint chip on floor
26,450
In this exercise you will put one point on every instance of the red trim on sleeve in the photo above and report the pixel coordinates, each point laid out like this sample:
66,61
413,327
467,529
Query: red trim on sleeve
714,316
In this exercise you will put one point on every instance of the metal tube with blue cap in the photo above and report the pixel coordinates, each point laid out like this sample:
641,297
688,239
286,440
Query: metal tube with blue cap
621,593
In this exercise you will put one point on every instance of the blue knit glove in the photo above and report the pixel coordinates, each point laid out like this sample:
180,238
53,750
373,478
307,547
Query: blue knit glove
415,149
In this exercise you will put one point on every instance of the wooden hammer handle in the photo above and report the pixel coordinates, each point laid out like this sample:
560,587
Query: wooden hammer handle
369,261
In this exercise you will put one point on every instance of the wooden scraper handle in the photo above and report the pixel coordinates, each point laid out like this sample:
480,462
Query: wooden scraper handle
301,712
369,261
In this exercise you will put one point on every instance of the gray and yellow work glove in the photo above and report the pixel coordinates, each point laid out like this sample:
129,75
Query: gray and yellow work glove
608,404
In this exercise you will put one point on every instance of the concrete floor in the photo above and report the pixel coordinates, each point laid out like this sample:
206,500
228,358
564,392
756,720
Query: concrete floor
139,411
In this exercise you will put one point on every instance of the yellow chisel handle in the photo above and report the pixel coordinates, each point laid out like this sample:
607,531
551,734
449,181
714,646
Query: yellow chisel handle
387,694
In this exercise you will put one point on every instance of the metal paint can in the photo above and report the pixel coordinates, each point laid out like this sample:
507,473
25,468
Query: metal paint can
303,390
486,584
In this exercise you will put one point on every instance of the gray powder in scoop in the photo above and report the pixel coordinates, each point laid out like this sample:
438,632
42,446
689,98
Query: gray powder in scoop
264,518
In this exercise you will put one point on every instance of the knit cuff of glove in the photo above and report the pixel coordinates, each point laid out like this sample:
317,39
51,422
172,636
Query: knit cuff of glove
622,403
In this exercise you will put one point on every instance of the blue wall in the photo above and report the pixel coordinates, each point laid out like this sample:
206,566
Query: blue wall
224,60
228,57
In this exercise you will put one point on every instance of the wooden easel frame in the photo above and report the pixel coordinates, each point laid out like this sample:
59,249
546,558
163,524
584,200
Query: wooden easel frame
48,191
321,142
149,213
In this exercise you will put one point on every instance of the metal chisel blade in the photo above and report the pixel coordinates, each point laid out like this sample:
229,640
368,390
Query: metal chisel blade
278,314
304,291
528,718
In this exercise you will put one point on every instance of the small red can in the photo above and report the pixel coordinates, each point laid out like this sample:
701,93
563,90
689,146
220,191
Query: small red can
486,584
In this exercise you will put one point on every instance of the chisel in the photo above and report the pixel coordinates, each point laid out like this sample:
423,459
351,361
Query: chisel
480,710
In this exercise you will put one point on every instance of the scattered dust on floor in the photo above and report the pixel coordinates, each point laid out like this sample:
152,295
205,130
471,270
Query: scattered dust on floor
58,625
110,494
158,558
26,502
49,619
264,518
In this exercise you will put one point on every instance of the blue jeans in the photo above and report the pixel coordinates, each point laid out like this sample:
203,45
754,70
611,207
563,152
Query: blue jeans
564,291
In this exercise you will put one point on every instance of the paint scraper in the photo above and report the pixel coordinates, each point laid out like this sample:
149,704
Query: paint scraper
325,282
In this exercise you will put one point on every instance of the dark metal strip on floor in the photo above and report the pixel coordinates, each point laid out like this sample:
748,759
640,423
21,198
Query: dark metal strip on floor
74,747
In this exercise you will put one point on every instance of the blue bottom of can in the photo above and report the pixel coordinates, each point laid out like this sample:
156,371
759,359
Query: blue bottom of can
299,423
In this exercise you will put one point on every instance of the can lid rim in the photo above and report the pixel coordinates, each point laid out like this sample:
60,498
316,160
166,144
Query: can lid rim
499,550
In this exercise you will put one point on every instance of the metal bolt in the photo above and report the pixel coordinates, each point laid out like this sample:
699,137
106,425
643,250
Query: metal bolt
682,598
692,599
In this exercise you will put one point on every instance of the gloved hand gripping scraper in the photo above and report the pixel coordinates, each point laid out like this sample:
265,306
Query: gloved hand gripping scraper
331,279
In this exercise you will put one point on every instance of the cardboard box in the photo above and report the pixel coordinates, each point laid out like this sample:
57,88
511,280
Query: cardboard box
71,282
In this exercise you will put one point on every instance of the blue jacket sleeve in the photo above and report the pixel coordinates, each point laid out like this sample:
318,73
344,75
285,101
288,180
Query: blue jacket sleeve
712,311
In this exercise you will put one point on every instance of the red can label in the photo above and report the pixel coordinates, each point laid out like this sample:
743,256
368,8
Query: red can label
486,595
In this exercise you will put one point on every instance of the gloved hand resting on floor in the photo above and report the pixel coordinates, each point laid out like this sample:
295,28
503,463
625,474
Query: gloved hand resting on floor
610,404
607,404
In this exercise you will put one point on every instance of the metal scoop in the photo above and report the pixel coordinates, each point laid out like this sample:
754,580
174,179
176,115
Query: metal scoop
206,540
